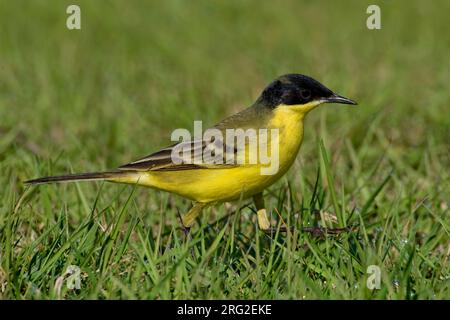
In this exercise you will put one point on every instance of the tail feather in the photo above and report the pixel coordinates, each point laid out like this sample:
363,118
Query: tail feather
90,176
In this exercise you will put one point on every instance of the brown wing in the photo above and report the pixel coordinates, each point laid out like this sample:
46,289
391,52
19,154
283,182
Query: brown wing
162,160
168,160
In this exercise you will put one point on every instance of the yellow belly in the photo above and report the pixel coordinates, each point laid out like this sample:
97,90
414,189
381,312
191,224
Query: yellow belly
233,183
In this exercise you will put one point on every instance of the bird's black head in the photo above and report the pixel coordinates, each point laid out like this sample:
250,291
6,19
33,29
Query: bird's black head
298,89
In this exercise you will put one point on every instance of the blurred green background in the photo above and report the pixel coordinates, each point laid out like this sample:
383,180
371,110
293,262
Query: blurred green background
95,98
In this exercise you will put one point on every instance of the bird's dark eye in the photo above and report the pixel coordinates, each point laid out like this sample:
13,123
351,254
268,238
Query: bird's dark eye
305,94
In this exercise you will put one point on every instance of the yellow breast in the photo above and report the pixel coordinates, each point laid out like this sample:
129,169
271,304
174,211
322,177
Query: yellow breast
290,125
217,185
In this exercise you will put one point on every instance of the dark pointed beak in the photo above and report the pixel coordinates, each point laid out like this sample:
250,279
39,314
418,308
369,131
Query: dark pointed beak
335,98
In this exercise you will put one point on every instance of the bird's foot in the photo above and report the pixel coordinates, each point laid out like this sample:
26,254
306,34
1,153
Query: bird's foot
187,235
314,231
186,230
322,232
273,230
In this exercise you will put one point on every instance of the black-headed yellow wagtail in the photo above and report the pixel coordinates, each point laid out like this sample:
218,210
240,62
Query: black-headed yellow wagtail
281,106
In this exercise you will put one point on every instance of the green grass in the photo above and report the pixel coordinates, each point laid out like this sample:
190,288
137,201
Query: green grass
102,96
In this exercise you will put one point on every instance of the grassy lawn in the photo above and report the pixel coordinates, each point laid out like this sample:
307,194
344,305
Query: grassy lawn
96,98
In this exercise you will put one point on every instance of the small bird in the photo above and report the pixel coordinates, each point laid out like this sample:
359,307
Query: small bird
282,106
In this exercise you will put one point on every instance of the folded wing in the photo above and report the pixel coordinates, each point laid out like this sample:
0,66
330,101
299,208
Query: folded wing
188,155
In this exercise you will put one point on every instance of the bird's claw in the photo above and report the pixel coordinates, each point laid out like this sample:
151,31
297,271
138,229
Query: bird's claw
314,231
273,230
186,230
321,232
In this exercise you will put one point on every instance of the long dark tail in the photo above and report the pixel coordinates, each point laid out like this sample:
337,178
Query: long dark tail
91,176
